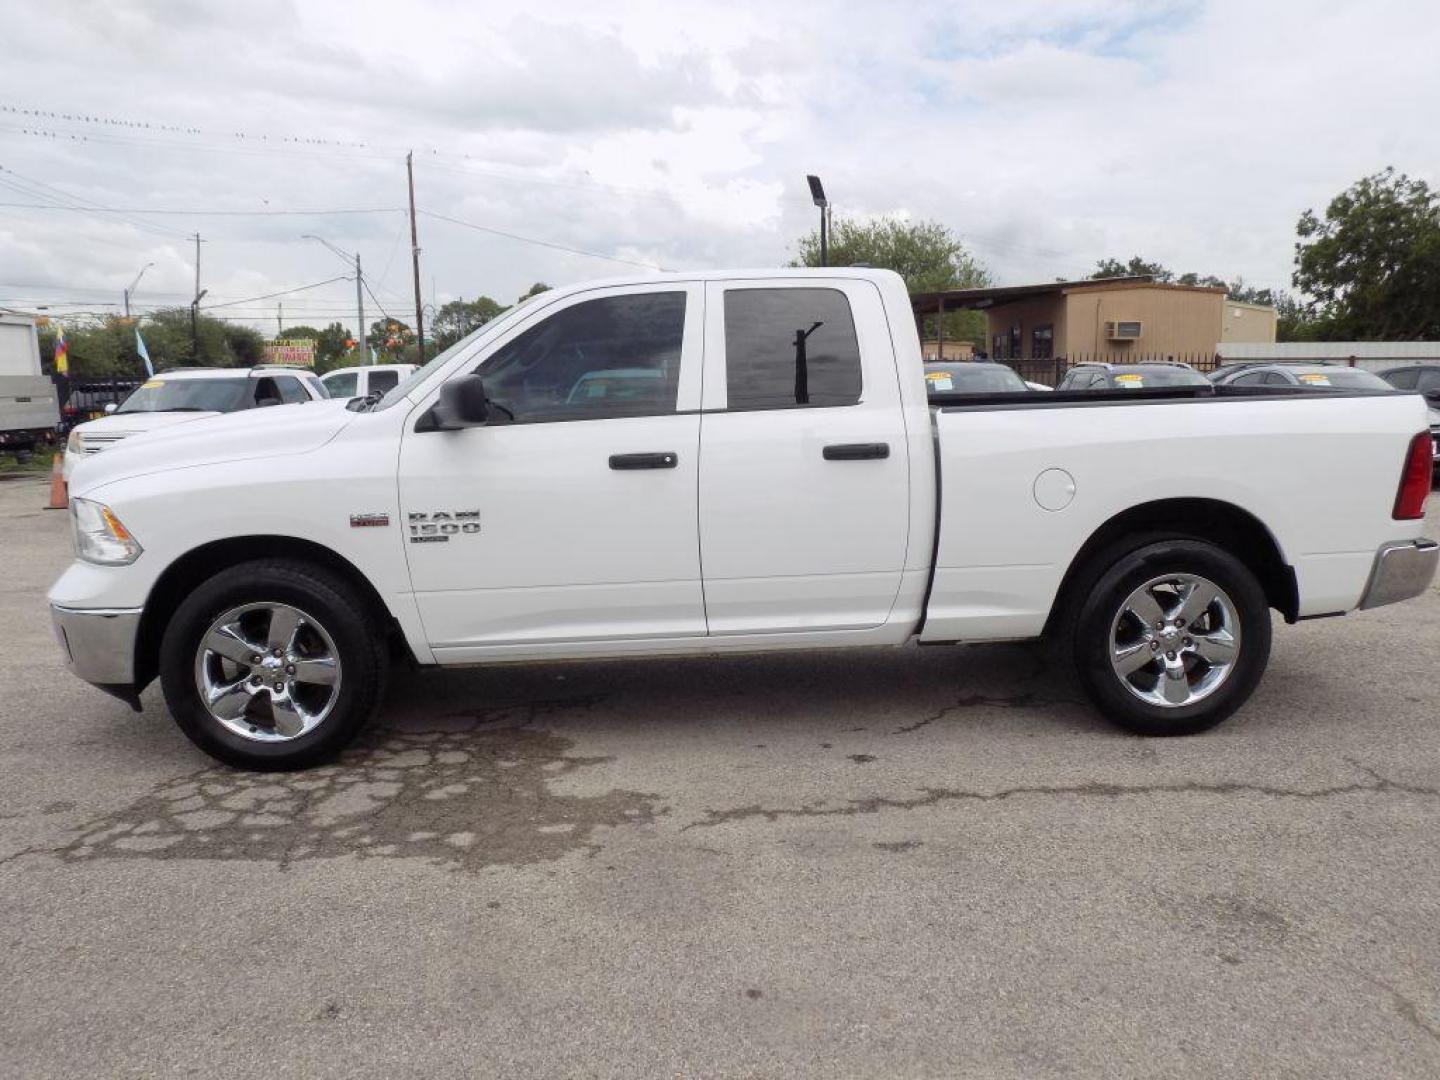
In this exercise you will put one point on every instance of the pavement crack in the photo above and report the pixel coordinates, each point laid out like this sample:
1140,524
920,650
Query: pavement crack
1374,784
975,701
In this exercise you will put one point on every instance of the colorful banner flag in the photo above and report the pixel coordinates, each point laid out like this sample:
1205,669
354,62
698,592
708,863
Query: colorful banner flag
144,352
62,352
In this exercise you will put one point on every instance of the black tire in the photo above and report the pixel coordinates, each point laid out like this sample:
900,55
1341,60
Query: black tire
333,603
1113,579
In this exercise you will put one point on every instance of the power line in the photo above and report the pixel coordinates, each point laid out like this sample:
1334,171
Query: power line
540,243
43,190
282,292
212,213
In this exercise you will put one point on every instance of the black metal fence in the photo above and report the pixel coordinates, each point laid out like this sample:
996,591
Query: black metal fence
1051,369
84,399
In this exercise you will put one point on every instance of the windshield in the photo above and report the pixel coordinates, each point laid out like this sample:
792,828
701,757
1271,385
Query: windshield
971,379
187,395
420,374
1135,378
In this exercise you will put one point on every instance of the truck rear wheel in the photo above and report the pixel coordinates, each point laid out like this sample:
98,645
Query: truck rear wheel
272,664
1172,638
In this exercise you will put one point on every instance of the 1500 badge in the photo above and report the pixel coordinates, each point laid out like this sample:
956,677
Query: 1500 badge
438,526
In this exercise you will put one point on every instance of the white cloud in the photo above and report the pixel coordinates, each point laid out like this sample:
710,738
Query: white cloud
1047,134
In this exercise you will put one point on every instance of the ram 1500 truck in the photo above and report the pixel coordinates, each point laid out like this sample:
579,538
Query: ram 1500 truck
720,462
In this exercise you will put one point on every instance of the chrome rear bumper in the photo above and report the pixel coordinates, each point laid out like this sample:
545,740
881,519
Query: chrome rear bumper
99,643
1402,570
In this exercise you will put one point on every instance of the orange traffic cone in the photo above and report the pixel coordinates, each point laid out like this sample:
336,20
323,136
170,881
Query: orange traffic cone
59,495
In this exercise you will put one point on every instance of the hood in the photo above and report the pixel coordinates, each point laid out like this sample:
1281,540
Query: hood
122,424
276,431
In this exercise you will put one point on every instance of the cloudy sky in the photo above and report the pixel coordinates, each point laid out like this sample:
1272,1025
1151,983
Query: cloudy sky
1046,133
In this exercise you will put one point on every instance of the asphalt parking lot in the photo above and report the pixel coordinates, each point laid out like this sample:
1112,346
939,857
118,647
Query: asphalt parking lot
917,862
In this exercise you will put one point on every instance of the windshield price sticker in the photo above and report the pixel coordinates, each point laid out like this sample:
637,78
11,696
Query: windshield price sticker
1316,380
940,380
1129,382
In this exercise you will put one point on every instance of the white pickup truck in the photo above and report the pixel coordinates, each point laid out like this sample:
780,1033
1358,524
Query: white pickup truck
720,462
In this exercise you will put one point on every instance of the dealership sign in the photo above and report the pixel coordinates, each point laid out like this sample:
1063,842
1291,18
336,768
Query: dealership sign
296,353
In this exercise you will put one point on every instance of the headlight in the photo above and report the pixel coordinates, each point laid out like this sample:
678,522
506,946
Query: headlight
99,536
72,444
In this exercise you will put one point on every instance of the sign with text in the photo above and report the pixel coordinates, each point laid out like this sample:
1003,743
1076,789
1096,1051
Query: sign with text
299,353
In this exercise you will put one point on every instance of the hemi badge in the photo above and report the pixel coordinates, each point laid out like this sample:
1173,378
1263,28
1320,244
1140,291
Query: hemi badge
366,521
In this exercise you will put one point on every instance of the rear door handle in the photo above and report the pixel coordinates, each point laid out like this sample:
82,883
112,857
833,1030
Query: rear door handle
663,460
858,451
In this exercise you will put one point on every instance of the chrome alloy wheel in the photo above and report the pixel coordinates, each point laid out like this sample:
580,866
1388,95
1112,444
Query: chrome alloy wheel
1175,640
268,672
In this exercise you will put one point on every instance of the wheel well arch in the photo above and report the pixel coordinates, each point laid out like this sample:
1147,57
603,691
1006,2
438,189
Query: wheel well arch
200,563
1224,524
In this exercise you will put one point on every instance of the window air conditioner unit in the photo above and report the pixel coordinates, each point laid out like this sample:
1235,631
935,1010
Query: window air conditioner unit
1122,331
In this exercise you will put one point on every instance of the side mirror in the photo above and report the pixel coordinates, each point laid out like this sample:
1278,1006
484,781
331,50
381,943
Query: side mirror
110,408
1433,396
461,405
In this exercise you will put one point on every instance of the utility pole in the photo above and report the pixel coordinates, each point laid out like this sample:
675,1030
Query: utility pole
279,319
195,308
415,260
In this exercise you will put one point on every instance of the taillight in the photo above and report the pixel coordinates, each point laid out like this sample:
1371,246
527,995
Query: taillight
1414,481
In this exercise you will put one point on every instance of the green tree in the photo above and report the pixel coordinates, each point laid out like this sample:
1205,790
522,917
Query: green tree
1369,269
332,349
926,254
1136,267
459,318
534,290
389,337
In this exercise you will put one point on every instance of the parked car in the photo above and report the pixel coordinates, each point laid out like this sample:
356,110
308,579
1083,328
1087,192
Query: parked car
1101,376
792,488
353,382
186,394
972,377
1303,376
1426,379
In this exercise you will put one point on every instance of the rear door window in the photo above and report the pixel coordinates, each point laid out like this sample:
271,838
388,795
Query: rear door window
1428,380
790,348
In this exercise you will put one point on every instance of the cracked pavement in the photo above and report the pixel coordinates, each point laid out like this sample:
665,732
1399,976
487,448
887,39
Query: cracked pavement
918,862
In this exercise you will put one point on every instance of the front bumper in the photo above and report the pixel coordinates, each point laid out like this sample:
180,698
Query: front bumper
99,643
1402,570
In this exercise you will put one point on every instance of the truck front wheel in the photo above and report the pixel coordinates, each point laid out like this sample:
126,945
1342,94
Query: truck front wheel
272,664
1172,638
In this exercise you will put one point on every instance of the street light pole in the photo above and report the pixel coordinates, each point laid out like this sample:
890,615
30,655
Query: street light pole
360,345
131,290
817,196
360,313
195,325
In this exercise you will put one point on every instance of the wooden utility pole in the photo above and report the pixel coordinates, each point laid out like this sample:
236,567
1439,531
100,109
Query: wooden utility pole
415,261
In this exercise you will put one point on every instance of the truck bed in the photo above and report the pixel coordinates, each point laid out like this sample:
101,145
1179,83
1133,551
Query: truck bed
1049,470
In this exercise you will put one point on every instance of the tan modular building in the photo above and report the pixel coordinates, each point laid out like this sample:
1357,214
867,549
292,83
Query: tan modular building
1113,319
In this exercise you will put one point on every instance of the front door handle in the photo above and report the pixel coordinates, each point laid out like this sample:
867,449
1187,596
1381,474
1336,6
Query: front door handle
663,460
859,451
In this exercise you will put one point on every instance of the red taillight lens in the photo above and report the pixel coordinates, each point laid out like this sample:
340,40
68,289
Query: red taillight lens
1414,481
